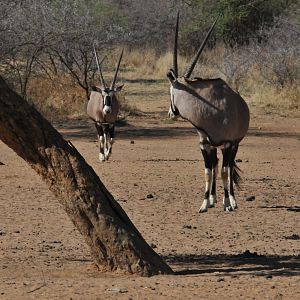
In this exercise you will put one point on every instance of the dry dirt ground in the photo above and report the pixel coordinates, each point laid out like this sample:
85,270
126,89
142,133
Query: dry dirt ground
252,253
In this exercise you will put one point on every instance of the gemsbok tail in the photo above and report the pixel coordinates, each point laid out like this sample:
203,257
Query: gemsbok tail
237,178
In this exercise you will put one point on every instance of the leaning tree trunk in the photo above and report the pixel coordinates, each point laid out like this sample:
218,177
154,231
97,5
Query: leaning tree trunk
114,241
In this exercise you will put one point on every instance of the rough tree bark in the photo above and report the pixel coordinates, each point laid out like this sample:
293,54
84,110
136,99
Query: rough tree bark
115,243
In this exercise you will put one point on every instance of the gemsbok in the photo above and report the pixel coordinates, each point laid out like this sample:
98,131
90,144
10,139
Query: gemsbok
103,109
221,117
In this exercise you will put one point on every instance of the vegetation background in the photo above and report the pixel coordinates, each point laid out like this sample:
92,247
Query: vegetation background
46,48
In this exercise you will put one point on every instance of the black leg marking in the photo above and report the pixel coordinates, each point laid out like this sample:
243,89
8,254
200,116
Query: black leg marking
228,176
234,150
214,162
224,174
100,132
206,152
112,131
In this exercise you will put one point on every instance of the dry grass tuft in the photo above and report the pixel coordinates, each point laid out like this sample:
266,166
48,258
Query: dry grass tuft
149,64
57,99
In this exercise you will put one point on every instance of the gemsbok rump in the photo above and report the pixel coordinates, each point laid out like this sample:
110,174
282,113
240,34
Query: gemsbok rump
221,117
103,109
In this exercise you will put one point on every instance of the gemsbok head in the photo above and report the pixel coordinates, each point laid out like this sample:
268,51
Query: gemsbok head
221,117
103,109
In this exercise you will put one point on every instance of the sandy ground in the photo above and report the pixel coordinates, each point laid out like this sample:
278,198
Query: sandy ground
253,253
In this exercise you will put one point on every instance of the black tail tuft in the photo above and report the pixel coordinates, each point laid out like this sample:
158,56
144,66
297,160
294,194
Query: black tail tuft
237,179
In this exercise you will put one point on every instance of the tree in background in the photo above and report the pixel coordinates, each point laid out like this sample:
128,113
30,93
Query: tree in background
239,20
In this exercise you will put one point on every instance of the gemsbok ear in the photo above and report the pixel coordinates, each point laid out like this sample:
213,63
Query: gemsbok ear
171,75
96,89
119,88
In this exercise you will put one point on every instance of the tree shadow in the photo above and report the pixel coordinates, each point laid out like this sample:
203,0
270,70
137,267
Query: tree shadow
88,131
247,263
288,208
273,134
126,131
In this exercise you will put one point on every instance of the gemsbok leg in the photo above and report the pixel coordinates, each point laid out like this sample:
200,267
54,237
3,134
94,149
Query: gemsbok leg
108,139
211,164
213,197
233,176
101,141
229,175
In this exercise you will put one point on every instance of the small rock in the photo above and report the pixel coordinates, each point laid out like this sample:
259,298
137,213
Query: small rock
150,196
269,276
250,198
249,254
17,231
186,226
117,290
153,246
2,164
132,142
220,279
294,237
238,160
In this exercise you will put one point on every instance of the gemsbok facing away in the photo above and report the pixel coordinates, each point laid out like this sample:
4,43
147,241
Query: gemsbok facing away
221,117
103,109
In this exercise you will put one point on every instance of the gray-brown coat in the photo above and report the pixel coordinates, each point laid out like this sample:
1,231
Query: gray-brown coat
221,117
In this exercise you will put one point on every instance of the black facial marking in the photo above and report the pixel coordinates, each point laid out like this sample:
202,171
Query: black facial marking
107,100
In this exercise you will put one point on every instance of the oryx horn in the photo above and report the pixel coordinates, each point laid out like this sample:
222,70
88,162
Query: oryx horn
99,67
192,66
175,63
117,70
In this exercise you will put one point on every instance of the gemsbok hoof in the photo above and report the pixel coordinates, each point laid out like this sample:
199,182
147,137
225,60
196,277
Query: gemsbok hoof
204,206
212,201
101,157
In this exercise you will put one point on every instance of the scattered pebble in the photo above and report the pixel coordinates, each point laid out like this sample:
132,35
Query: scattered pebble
220,279
293,237
131,142
269,276
153,246
2,164
150,196
250,198
238,160
186,226
117,290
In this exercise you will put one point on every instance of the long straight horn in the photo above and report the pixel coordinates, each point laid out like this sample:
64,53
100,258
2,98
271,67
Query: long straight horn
117,70
175,63
99,68
192,66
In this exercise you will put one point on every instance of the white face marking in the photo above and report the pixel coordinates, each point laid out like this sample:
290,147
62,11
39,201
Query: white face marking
107,110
